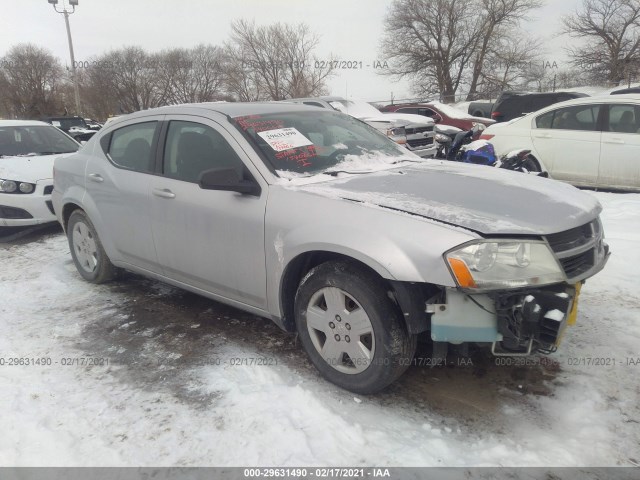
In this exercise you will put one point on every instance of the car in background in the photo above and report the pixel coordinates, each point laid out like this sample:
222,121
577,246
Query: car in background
510,105
588,142
313,219
480,108
93,124
75,127
624,91
440,113
27,152
416,133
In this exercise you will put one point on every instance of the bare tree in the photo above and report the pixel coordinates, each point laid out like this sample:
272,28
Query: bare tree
31,78
443,44
127,79
610,30
431,42
273,62
500,18
191,75
509,63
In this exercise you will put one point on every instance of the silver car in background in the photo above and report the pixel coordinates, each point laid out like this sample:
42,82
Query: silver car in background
317,221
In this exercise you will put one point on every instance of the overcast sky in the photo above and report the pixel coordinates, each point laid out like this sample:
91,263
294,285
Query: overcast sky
350,29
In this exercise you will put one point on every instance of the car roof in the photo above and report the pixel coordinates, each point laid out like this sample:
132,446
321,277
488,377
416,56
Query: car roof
22,123
231,109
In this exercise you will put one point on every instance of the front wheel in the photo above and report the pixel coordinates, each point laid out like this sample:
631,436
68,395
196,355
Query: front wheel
87,251
350,328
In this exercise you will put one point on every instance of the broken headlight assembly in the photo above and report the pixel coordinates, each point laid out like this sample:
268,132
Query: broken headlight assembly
503,264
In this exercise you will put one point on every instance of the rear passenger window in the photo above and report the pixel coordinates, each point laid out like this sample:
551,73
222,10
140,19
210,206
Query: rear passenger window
192,148
624,118
130,146
581,117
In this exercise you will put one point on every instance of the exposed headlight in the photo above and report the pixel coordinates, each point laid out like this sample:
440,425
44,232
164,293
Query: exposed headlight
11,186
500,264
398,135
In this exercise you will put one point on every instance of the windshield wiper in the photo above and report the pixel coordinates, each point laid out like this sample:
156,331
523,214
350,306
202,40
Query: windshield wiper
334,173
53,153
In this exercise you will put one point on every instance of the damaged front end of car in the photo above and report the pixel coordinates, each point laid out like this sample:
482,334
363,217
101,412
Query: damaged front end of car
516,294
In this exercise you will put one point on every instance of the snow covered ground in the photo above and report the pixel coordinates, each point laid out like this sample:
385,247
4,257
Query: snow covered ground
184,381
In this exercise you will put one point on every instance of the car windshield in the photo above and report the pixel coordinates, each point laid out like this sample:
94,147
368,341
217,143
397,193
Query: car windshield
34,140
320,142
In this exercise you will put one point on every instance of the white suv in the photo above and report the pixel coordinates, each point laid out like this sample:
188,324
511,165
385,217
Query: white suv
591,142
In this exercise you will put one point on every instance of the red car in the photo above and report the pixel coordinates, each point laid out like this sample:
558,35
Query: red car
442,114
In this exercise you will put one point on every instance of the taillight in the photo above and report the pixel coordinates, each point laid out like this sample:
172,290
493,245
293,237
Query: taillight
496,114
486,136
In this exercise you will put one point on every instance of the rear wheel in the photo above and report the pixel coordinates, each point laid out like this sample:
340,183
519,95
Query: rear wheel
350,328
86,250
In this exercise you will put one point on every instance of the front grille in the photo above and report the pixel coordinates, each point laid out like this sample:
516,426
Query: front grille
413,131
14,213
423,142
578,264
579,249
48,189
50,206
571,238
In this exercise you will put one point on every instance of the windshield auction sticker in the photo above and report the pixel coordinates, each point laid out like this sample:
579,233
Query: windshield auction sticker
285,139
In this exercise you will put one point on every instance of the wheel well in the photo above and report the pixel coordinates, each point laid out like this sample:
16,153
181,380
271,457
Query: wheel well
295,272
67,210
410,297
478,113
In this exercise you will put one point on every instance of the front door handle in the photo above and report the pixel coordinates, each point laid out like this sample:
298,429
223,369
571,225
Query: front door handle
163,193
542,135
618,141
96,177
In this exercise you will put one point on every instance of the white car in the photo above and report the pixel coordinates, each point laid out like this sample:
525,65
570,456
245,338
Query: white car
27,151
588,142
416,132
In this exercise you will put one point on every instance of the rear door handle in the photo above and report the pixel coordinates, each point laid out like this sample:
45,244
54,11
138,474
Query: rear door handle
96,177
542,135
618,141
163,193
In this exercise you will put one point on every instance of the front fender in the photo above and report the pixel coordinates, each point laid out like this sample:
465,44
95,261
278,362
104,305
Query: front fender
399,247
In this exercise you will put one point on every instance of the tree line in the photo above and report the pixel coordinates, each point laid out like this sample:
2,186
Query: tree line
271,62
446,48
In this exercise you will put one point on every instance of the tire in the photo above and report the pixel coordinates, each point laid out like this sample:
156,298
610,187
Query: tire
87,251
531,165
337,301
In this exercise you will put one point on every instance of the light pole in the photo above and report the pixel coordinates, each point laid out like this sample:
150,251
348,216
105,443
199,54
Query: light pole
72,4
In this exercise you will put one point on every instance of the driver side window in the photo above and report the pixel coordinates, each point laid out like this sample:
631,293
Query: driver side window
192,148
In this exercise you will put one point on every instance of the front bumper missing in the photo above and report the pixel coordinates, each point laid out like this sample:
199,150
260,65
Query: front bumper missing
515,323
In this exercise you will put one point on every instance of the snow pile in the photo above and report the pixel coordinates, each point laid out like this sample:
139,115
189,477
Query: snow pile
133,414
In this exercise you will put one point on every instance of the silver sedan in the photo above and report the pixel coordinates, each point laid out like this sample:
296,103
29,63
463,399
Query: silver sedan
319,222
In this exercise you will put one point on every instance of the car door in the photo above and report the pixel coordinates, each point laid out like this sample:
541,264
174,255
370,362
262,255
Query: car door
620,154
118,179
567,141
212,240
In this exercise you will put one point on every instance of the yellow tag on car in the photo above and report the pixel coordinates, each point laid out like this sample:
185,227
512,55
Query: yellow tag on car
573,314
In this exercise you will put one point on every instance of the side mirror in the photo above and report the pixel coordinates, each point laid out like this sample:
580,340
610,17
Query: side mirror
227,179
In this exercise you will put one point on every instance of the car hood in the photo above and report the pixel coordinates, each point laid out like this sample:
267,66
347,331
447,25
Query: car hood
400,119
28,169
485,200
